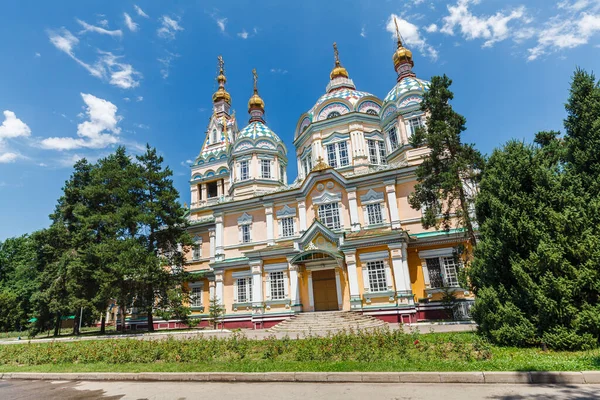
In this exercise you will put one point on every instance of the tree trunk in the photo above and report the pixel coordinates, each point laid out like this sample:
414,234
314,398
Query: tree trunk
150,320
122,318
103,323
57,325
76,325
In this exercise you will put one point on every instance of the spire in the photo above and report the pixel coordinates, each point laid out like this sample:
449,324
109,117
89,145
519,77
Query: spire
403,61
221,94
338,70
256,105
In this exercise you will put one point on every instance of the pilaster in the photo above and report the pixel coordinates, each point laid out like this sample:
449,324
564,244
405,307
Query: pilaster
294,287
219,288
256,267
270,224
211,235
354,221
219,253
404,292
390,189
355,301
311,298
302,214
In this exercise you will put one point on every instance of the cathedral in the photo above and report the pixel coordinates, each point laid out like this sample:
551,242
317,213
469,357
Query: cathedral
342,236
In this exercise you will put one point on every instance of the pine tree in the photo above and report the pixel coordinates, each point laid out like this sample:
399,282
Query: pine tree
448,176
215,311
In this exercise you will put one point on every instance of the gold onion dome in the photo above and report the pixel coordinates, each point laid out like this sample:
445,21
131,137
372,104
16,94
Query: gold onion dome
402,54
255,101
221,93
338,70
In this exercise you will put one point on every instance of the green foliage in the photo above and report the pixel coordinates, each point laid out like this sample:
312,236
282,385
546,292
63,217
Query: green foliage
536,271
448,175
215,311
449,301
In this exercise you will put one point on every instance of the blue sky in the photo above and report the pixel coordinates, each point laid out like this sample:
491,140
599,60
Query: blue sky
79,78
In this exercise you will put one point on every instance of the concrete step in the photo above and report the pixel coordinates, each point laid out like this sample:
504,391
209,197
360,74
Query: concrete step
327,321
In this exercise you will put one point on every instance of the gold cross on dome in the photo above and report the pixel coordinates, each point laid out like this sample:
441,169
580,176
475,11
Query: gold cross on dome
221,62
397,32
336,54
255,75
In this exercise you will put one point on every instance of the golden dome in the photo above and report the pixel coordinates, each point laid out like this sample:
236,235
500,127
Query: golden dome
401,55
255,102
338,70
221,93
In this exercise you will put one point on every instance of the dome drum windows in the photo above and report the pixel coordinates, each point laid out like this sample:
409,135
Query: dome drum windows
393,138
333,110
337,154
414,123
333,114
377,152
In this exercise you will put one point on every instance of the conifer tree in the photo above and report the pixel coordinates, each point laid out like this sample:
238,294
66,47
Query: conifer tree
448,175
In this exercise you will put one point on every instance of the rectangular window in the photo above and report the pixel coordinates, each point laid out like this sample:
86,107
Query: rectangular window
377,280
196,296
211,189
287,226
307,164
332,155
374,214
281,173
376,152
244,171
413,124
450,271
329,215
435,273
197,252
244,290
393,136
265,169
277,285
337,154
245,233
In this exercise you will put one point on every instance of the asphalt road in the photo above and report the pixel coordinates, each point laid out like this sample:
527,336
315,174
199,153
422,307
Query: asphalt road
26,390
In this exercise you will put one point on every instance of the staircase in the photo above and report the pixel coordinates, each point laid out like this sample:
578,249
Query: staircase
327,321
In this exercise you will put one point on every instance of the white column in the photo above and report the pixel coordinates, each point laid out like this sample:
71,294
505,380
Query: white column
211,234
219,287
355,301
194,200
257,284
270,229
354,221
405,264
404,292
302,214
220,188
294,287
390,189
311,298
338,287
211,289
203,192
219,254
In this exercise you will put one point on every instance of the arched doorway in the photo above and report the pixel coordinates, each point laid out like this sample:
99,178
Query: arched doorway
323,279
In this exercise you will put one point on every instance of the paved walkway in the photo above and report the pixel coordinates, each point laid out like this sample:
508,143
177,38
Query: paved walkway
251,334
33,390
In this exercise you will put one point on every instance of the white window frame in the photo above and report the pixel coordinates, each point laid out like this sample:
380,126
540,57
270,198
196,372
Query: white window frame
307,164
243,284
265,173
244,170
377,152
287,227
374,213
273,268
214,137
277,285
373,259
449,267
413,123
337,154
377,276
246,233
197,249
196,291
335,217
395,143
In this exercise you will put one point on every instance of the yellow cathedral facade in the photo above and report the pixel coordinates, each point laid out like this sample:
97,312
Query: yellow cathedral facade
342,236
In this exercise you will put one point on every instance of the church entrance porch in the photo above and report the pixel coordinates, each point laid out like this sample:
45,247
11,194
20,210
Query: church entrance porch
325,290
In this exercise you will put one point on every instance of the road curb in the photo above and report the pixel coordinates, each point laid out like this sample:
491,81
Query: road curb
495,377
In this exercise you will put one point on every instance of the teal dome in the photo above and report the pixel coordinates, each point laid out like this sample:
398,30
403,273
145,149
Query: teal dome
407,85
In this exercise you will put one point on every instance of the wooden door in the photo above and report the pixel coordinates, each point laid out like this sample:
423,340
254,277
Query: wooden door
324,290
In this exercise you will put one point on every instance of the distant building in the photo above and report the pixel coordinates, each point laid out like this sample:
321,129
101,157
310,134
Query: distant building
342,236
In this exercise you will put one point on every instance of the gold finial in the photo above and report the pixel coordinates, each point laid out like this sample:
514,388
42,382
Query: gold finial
255,76
338,70
320,165
222,63
221,93
398,32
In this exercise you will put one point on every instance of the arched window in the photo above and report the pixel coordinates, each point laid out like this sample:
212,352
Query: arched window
333,114
214,136
371,111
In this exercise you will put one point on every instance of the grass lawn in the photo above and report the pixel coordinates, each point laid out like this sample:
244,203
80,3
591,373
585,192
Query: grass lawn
378,351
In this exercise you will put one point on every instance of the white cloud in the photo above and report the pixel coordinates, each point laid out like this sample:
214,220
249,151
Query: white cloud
13,127
169,27
221,23
133,27
141,126
431,28
574,26
107,66
411,35
166,64
139,11
139,98
37,54
243,34
6,158
99,131
363,32
92,28
279,71
126,99
492,29
103,22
